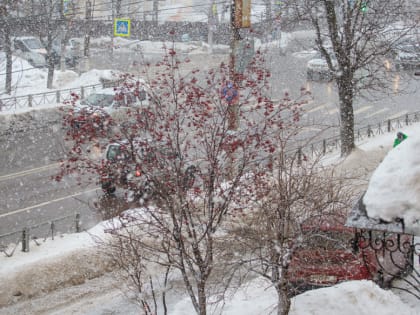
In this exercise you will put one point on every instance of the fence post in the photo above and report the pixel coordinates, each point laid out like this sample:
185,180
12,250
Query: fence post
389,125
82,92
30,100
52,229
25,240
57,96
77,222
406,120
380,129
369,131
324,147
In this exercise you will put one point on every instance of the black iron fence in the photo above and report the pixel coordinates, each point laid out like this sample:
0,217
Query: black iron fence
46,98
39,233
331,144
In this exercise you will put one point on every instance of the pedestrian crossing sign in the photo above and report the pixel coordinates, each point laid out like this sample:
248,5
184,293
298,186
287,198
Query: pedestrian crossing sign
122,27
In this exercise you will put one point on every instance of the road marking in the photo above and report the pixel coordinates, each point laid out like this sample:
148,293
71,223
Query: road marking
377,112
46,203
362,109
332,111
23,173
309,128
319,107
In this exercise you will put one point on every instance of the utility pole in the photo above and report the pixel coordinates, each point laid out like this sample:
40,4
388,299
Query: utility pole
88,18
235,37
155,11
63,38
211,25
268,18
240,17
84,66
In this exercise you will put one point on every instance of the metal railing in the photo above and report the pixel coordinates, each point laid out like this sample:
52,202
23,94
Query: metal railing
46,98
329,145
38,233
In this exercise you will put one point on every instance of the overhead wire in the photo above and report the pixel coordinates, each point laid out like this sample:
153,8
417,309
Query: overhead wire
82,10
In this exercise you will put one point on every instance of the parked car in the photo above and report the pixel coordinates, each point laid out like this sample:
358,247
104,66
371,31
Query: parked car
407,56
31,49
317,68
328,258
333,253
72,54
104,103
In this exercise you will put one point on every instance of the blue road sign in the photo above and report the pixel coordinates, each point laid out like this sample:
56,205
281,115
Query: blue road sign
229,93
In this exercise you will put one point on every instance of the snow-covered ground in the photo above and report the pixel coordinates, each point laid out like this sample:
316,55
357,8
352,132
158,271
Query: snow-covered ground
99,296
28,274
29,80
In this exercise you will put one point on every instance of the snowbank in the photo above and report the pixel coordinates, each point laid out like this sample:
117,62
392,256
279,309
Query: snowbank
69,260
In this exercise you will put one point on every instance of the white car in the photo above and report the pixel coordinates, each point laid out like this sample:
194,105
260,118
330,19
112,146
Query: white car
107,102
31,49
317,68
407,56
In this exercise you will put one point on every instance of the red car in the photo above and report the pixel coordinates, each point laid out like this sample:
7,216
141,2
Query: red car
328,257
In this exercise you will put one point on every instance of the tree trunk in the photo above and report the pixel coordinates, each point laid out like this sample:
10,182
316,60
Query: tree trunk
5,37
345,93
50,76
50,61
202,301
8,49
283,301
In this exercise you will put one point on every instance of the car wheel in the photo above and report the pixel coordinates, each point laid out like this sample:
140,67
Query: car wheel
148,190
110,190
309,76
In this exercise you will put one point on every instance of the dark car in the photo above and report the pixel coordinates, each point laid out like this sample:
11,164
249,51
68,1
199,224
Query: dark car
123,168
72,52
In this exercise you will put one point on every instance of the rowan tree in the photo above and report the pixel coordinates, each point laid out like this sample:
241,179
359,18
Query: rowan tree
195,164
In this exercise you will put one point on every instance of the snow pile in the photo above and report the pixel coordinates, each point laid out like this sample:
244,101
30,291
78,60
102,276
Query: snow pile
66,261
25,78
348,298
394,188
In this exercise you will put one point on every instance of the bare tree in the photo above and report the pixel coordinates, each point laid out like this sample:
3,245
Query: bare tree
275,231
7,18
354,38
183,164
47,21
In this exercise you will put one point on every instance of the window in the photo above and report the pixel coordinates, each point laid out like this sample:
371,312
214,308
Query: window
33,43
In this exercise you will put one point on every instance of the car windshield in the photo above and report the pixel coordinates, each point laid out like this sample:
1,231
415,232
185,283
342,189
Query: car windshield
115,153
329,240
33,43
99,100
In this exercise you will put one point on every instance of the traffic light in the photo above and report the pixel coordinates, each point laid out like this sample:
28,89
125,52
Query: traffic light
363,6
